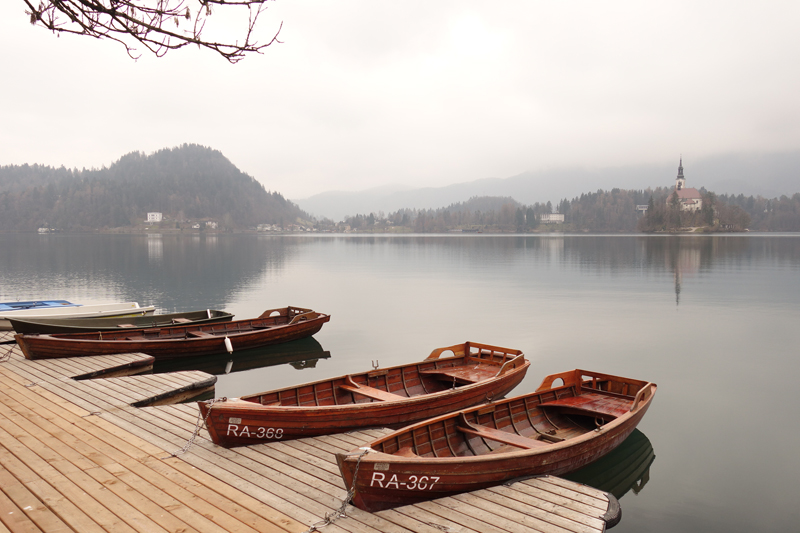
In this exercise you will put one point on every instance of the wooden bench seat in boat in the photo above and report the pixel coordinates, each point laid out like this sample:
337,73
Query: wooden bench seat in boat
593,403
503,437
181,320
201,334
461,374
369,392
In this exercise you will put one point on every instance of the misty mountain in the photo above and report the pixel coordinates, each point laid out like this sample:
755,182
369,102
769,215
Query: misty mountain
186,182
767,175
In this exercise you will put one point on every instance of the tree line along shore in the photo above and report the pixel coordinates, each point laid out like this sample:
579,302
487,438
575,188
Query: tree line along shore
196,189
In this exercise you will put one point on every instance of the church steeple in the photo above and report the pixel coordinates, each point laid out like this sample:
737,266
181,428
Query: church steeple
680,181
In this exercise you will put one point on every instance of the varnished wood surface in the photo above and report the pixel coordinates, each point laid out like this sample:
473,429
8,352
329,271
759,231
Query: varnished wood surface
593,403
74,457
172,342
552,431
389,397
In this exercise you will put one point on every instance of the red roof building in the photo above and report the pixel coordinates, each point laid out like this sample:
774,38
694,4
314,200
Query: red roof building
689,199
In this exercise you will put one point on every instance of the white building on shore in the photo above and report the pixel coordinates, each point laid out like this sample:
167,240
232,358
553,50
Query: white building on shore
551,218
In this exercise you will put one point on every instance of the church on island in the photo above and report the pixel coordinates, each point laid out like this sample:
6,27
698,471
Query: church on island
688,198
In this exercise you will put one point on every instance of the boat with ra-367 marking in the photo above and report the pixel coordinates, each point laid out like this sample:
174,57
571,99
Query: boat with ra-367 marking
83,325
555,430
274,326
389,397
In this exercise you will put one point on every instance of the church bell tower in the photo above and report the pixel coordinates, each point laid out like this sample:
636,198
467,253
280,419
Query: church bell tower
680,182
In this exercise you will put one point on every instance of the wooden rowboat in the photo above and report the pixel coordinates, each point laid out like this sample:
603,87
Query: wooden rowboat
64,309
83,325
554,430
272,327
390,397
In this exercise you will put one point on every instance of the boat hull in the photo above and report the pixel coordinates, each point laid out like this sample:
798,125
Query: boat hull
126,309
256,425
238,422
45,325
384,481
173,342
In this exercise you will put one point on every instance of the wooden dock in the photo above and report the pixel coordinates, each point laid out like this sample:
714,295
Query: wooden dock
76,456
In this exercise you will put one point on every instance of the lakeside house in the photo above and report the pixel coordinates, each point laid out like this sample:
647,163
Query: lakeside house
154,217
551,218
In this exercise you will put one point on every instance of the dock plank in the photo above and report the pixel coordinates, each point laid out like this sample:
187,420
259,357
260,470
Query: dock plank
535,495
135,463
516,520
82,453
516,500
22,511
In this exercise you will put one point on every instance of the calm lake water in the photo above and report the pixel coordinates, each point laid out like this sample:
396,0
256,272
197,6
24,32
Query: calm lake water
713,320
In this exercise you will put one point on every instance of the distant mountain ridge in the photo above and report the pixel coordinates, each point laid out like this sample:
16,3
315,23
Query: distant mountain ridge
767,175
186,182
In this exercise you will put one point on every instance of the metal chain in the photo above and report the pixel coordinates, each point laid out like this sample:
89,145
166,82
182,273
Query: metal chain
7,355
200,422
341,512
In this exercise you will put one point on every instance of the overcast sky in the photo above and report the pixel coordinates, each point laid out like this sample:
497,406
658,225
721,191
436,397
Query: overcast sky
368,93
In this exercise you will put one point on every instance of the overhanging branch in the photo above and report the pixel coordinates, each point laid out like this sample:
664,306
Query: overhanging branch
148,23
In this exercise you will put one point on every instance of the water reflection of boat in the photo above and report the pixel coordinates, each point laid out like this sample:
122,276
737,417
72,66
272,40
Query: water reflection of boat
303,353
626,468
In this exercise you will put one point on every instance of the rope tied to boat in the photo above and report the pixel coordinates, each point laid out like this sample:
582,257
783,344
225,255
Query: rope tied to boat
341,511
198,425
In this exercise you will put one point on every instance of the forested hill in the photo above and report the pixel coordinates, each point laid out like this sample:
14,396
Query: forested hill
189,182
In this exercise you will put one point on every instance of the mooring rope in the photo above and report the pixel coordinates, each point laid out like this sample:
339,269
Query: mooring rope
341,511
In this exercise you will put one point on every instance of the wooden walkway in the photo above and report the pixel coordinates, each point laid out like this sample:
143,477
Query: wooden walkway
76,456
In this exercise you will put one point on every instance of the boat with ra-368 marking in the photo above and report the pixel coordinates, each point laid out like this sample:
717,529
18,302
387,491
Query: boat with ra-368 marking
555,430
389,397
274,326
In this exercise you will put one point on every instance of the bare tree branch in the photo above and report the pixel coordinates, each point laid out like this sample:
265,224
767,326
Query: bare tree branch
148,23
